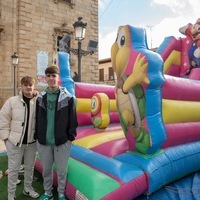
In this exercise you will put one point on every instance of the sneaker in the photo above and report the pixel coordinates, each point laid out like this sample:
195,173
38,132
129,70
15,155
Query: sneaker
21,170
62,197
18,181
46,196
31,193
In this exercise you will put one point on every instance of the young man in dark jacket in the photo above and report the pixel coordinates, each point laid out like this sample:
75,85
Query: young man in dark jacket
56,124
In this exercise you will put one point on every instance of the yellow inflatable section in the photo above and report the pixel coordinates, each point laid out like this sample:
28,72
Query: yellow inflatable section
97,139
175,111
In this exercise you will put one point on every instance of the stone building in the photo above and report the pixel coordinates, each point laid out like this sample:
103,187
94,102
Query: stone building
33,29
106,72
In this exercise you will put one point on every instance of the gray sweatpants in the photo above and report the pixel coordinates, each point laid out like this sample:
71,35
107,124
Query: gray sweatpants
15,155
60,155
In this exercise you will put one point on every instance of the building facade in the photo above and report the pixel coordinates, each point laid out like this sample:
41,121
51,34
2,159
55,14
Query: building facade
33,29
106,72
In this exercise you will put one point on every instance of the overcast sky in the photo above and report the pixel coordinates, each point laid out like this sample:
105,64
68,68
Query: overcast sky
160,18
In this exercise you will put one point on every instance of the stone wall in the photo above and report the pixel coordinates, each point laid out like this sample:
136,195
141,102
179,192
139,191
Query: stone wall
28,27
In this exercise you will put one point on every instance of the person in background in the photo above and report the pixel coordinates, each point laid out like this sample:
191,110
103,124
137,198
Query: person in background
17,128
56,124
75,77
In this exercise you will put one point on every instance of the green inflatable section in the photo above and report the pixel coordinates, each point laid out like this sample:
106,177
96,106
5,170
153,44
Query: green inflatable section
88,185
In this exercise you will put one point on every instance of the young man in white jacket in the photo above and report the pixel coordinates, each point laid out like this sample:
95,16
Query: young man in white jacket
17,128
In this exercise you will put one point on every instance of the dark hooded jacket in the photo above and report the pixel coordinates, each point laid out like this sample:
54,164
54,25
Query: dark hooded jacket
65,118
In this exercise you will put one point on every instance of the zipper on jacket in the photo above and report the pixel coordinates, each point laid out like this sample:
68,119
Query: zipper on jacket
23,124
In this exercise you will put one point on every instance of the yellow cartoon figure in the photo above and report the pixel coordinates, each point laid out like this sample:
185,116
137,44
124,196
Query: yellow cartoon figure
129,92
100,110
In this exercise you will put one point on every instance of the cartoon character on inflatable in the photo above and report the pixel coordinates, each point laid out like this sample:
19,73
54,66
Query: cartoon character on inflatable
129,93
192,32
100,110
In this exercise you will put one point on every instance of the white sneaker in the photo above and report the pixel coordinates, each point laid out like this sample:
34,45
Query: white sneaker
18,181
31,193
21,169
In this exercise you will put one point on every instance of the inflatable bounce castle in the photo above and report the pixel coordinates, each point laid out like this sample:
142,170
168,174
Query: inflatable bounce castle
142,134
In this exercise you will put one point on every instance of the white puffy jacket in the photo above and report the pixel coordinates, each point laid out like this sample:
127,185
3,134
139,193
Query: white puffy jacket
13,117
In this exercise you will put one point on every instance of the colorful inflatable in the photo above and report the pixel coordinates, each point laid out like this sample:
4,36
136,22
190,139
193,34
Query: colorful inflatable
139,136
182,55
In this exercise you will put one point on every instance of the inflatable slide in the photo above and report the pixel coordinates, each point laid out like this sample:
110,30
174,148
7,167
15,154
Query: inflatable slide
138,136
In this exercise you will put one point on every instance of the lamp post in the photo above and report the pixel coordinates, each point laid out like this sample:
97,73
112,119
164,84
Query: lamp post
79,28
15,63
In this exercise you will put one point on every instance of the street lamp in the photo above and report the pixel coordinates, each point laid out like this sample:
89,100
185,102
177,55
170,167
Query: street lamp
79,28
15,63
